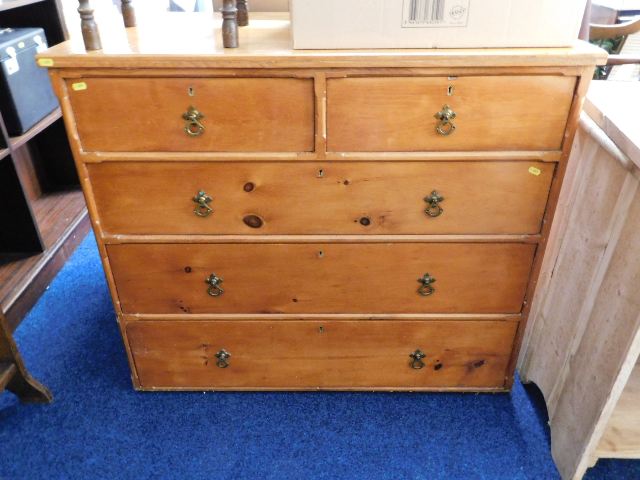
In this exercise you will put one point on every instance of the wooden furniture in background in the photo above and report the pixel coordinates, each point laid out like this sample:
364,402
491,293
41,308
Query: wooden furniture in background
13,374
583,344
275,223
42,211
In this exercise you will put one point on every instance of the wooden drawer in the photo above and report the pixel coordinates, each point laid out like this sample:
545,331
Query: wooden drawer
378,114
321,354
240,114
321,278
346,198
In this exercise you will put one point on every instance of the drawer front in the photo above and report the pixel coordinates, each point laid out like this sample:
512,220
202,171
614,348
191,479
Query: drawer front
313,198
321,354
239,114
492,113
321,278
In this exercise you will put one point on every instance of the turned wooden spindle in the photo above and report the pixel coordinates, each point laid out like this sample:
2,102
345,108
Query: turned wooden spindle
90,33
229,24
243,13
128,13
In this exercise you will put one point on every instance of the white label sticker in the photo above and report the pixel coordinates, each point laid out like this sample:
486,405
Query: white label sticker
435,13
11,63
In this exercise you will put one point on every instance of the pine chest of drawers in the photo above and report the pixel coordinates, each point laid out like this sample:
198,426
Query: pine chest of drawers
278,219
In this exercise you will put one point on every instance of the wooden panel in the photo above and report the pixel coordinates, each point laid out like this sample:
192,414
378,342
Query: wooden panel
240,114
622,436
584,243
321,278
321,354
22,280
269,46
493,113
588,335
349,198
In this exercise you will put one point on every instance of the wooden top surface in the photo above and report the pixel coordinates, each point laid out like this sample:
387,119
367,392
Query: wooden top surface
612,106
180,40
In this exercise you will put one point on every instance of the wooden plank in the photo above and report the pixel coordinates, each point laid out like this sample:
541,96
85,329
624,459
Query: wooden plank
599,365
583,245
362,198
154,239
321,354
608,106
22,280
492,113
271,31
622,436
237,114
504,156
321,278
55,212
17,142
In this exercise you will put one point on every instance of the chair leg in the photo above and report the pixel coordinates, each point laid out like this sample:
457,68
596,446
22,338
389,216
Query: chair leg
243,13
229,24
90,33
13,373
28,389
128,13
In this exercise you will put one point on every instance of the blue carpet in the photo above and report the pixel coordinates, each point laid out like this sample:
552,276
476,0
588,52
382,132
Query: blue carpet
99,427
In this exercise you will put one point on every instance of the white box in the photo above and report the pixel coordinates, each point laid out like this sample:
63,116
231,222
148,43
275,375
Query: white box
335,24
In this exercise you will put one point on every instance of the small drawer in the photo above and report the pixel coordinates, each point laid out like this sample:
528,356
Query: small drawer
194,114
321,198
321,278
473,113
331,354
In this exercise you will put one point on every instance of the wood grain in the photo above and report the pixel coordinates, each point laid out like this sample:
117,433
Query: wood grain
621,439
371,198
493,113
240,114
320,354
266,43
321,278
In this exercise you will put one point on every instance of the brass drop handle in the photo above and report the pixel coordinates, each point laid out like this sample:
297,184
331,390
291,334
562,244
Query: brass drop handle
434,209
215,290
416,359
223,358
445,126
202,201
426,289
193,127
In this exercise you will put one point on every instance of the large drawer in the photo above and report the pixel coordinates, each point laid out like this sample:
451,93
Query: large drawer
321,354
378,114
329,198
239,114
321,278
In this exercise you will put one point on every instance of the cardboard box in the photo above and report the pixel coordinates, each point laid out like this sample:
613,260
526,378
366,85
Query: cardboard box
336,24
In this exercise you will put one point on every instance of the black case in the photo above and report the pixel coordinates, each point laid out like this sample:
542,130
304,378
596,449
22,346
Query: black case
25,90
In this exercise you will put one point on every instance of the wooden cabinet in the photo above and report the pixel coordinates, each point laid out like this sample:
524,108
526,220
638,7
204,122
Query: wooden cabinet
279,219
583,345
42,210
